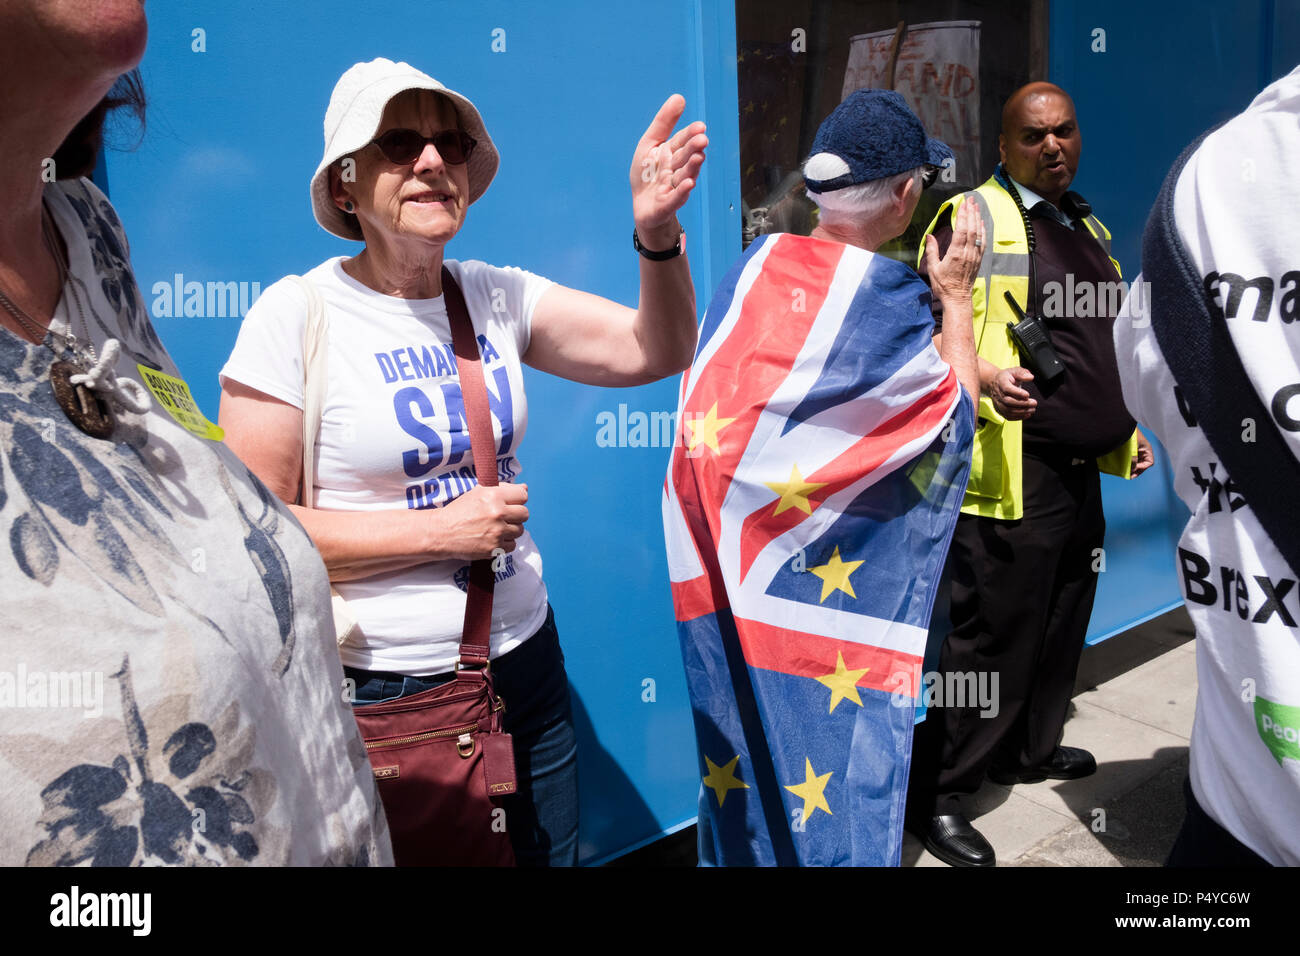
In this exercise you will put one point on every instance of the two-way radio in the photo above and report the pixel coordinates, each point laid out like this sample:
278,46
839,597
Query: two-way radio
1036,349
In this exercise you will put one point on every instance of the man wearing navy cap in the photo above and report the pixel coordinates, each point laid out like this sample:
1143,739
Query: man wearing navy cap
1026,551
869,162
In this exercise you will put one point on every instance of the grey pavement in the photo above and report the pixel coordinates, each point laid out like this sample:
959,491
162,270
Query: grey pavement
1134,701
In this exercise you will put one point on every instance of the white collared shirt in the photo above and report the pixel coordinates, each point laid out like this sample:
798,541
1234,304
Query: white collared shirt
1031,199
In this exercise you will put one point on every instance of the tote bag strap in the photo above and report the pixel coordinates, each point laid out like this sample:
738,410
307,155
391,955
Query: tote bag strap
315,369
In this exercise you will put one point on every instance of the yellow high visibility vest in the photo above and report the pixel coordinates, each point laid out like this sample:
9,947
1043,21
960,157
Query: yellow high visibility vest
996,486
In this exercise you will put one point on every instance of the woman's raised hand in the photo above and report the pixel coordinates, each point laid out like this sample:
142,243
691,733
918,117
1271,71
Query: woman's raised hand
664,168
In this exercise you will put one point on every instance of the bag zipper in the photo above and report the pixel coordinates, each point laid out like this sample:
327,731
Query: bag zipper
453,732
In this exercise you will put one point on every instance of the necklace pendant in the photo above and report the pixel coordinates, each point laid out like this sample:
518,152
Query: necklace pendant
84,408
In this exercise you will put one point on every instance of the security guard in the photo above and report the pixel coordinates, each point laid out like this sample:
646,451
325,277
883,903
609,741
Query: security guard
1024,557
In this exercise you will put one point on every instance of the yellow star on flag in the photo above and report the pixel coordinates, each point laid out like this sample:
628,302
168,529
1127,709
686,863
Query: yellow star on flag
835,575
704,431
812,791
843,683
722,779
794,493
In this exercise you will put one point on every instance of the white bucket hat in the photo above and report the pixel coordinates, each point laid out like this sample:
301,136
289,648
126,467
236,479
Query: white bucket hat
352,119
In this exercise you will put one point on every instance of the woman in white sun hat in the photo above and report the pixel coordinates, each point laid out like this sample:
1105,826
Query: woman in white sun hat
395,509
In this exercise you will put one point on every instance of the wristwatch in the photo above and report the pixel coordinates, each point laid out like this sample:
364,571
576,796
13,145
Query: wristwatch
678,248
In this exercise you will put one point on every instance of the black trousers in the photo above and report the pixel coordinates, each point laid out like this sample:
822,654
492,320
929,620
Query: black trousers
1202,842
1022,594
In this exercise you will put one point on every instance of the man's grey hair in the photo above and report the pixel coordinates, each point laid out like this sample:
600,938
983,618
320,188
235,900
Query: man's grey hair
865,201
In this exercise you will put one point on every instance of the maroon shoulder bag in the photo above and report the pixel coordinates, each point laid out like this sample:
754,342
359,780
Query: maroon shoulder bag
441,760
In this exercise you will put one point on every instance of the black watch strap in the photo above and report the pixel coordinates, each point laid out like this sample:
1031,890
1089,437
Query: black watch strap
675,251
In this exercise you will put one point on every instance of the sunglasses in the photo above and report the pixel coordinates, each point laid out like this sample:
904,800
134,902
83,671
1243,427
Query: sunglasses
928,175
404,146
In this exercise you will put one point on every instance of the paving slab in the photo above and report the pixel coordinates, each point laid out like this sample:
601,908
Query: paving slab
1160,693
1138,829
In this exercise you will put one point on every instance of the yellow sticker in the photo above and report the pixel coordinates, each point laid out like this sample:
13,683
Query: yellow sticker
174,395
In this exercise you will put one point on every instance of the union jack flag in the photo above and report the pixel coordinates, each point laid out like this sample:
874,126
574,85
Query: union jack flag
821,457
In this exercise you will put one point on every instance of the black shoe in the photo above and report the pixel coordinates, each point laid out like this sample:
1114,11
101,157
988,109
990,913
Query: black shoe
952,839
1066,763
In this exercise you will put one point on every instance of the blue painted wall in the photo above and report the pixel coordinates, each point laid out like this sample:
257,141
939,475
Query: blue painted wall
218,192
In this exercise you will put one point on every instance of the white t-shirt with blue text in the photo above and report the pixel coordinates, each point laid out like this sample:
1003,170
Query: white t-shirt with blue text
393,435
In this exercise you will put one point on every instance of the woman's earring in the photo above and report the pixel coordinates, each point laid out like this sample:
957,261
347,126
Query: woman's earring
347,206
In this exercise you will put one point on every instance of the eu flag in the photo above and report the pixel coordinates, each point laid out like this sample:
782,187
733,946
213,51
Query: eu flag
822,453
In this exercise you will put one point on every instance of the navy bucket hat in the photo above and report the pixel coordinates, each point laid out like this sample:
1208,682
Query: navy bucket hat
871,135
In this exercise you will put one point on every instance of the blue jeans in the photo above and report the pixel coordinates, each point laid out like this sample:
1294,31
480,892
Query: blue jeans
542,817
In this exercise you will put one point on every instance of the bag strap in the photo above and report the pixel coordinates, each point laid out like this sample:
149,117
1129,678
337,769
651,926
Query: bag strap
315,371
1204,361
476,636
